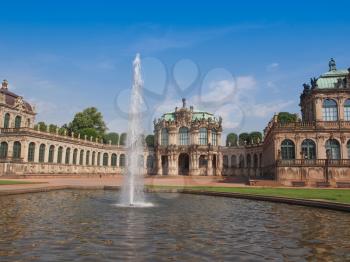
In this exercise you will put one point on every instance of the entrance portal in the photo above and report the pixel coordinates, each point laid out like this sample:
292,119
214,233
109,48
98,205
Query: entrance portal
184,164
165,165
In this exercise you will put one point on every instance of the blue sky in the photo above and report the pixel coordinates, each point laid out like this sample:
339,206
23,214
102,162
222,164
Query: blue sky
243,61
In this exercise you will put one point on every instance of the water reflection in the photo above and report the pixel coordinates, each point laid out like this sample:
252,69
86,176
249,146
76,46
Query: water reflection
86,226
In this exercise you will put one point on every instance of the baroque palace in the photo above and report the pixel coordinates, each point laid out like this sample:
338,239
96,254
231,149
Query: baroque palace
313,151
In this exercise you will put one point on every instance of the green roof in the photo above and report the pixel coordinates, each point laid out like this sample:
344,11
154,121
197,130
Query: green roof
333,78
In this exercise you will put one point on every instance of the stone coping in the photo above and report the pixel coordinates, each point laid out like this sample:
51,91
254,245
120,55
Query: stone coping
292,201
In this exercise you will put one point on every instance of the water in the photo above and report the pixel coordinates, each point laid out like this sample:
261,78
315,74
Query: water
74,225
132,188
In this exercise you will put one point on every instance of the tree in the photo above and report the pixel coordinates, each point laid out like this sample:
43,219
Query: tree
150,140
122,140
243,139
113,137
41,126
52,128
231,139
90,118
285,117
88,132
255,137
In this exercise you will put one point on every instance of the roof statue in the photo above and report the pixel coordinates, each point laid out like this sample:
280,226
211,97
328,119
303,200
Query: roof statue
332,65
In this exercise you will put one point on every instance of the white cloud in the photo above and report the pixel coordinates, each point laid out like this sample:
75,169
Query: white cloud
272,67
264,110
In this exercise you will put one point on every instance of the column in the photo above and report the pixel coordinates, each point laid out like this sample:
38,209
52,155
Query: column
159,164
209,165
318,109
24,151
341,109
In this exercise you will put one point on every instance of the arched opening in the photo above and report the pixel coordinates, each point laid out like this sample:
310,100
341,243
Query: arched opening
184,164
203,136
241,161
122,160
67,160
114,160
288,150
18,120
98,163
105,159
42,153
31,152
7,120
93,158
333,149
203,162
214,162
214,137
308,147
225,161
165,165
51,153
150,162
347,110
81,157
59,155
255,161
249,161
164,137
330,110
87,158
16,150
348,146
184,138
233,161
75,156
3,150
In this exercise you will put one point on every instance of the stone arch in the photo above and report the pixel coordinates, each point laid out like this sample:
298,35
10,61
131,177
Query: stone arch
225,161
67,159
122,160
75,156
3,150
249,161
42,149
87,158
16,154
333,149
241,161
105,159
184,164
234,161
308,148
203,162
31,152
18,120
255,161
59,154
7,118
81,157
51,153
93,158
114,159
287,149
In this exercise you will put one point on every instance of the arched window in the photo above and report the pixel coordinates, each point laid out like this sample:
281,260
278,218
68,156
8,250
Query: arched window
203,162
233,161
241,161
42,153
214,137
18,121
105,159
255,161
330,110
7,120
203,136
114,160
3,149
67,160
75,155
333,149
141,161
59,155
225,161
184,138
31,152
308,147
348,146
16,150
87,162
51,153
288,149
347,110
164,137
98,162
150,162
122,160
93,158
81,157
249,161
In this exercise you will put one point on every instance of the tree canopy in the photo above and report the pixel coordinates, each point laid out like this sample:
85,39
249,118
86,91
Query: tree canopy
255,137
113,137
286,117
122,140
243,139
150,140
231,139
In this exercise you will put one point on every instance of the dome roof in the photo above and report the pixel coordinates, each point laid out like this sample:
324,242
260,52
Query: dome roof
333,78
13,100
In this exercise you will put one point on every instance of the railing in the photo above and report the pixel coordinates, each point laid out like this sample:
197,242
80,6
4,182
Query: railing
316,162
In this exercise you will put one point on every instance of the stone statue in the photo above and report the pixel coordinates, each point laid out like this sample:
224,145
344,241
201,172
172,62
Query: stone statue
313,82
332,65
183,102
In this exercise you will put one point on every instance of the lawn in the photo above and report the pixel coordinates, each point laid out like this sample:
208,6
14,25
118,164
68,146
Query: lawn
15,182
334,195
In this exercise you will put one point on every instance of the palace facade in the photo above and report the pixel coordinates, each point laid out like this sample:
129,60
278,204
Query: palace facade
313,151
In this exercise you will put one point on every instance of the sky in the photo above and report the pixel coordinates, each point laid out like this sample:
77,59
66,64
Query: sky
241,60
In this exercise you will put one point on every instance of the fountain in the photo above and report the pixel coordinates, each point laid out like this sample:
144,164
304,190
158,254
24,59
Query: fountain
133,186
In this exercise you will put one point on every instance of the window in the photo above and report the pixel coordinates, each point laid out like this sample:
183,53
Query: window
333,149
98,163
203,162
249,161
59,155
347,110
241,161
105,159
150,162
348,146
308,147
81,157
122,160
255,161
164,137
75,155
93,158
233,161
114,160
225,161
184,136
16,150
288,150
18,122
87,162
7,120
67,160
3,150
214,137
31,152
51,153
330,110
203,136
42,153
